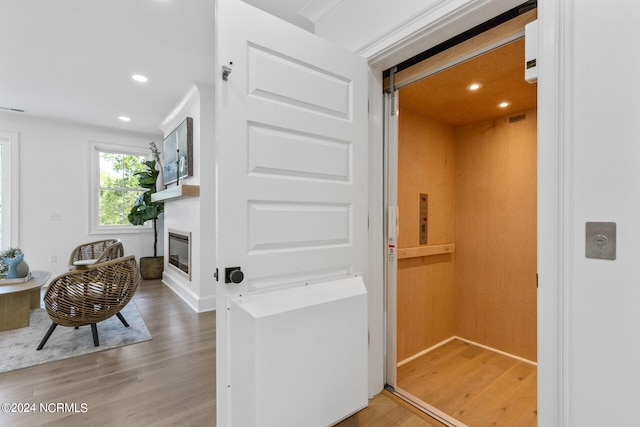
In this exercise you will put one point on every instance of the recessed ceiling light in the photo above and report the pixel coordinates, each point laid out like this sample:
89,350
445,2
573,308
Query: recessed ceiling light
474,86
504,104
125,118
140,78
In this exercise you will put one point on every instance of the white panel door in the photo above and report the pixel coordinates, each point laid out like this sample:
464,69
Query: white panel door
291,122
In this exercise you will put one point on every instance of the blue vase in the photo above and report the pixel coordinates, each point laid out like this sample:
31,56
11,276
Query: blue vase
18,267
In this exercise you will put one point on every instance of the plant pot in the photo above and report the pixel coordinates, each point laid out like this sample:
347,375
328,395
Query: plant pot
18,267
151,267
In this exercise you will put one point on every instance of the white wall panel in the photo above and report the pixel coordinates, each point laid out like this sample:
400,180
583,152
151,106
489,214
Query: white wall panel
605,180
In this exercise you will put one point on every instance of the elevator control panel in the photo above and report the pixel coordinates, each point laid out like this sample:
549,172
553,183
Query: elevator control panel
424,218
601,240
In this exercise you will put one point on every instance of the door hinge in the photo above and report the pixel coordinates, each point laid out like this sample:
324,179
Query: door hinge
215,275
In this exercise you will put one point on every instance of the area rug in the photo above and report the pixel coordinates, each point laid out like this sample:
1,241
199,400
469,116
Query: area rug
18,346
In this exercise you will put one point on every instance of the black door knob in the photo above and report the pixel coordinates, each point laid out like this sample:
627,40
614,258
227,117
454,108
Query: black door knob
233,275
236,276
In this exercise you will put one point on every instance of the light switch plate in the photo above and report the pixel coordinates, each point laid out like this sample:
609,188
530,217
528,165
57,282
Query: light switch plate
600,240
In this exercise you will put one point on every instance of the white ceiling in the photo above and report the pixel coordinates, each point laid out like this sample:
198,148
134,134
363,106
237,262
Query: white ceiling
73,59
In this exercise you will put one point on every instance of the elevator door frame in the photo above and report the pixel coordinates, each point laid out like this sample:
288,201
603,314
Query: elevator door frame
555,187
391,230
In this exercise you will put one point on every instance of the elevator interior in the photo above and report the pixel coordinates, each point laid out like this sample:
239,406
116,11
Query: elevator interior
466,247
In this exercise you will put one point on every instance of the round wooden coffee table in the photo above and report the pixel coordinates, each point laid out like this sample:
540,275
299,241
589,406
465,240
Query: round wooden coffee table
17,300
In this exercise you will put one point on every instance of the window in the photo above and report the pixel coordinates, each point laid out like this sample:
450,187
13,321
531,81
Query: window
9,189
115,188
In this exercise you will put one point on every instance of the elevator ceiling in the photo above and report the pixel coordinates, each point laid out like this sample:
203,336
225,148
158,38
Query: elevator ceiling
445,97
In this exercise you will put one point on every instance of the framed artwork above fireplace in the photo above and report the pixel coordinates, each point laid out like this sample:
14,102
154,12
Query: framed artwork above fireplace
177,152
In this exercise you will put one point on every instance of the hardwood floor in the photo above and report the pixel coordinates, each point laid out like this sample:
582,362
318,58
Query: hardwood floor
169,380
476,386
387,410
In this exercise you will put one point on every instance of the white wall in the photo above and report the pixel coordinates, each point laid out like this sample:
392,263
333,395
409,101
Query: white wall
604,185
195,214
355,23
207,198
54,178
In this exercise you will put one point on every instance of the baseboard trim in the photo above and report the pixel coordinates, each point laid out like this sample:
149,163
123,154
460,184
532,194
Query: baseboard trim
440,344
207,304
423,352
504,353
199,305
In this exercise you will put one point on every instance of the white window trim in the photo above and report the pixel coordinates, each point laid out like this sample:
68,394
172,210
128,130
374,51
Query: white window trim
10,189
94,182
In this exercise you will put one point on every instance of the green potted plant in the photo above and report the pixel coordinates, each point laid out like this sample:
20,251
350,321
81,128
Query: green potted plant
145,210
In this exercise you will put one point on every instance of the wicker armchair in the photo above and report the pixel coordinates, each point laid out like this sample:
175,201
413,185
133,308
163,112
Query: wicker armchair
86,297
95,252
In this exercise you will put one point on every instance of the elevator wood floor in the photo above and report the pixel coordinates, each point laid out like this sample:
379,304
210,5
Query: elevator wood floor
387,410
473,385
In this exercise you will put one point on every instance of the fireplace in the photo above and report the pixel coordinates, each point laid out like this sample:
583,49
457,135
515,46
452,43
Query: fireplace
180,252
